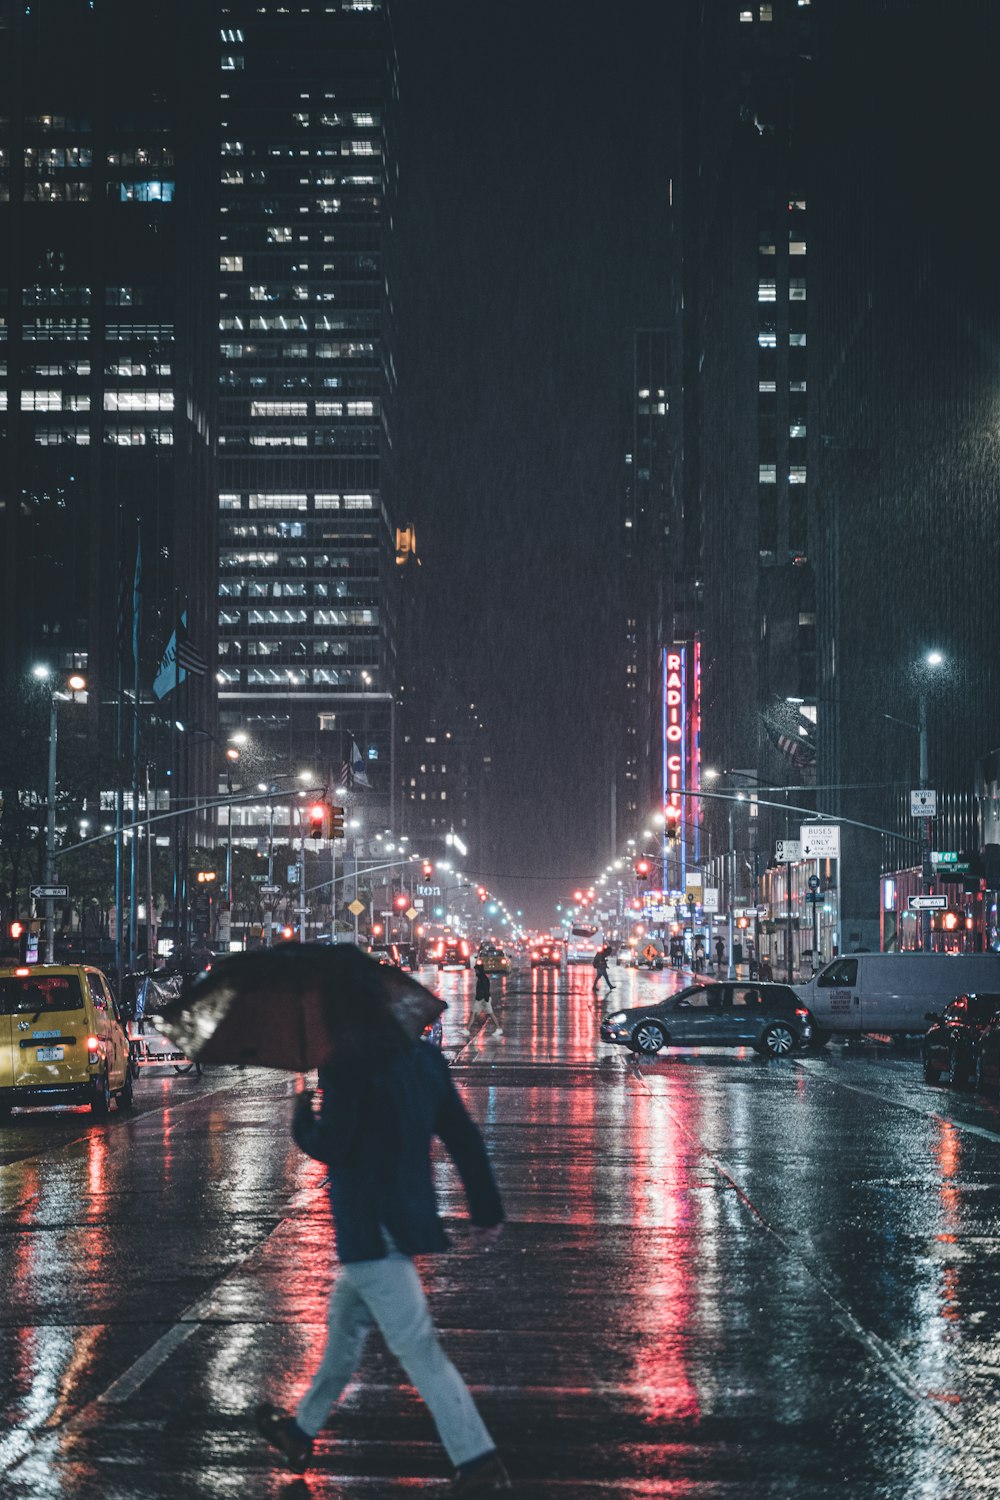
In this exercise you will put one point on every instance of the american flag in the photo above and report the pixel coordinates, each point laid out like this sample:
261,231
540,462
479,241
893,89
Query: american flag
187,654
791,731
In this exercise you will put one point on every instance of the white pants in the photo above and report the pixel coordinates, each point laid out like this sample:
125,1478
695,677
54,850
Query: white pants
388,1293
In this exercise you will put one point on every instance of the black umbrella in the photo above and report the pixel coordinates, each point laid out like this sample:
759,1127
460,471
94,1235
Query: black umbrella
296,1005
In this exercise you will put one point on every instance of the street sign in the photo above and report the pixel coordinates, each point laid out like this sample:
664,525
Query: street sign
787,851
270,890
815,898
710,899
820,840
411,912
258,879
356,908
923,803
813,882
928,903
944,857
49,892
293,874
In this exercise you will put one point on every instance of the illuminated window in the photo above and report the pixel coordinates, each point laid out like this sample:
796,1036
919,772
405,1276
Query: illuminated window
138,400
278,408
746,16
798,340
797,289
41,400
766,386
797,475
279,235
767,13
767,339
796,247
767,473
796,385
230,262
229,502
796,429
767,291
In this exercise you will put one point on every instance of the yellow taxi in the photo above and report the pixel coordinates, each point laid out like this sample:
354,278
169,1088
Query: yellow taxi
493,959
62,1039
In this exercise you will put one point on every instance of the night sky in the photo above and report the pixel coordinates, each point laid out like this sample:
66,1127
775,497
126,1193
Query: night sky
534,164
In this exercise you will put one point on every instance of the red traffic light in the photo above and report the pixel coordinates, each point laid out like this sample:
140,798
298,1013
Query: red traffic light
16,929
288,933
318,815
427,869
642,868
401,902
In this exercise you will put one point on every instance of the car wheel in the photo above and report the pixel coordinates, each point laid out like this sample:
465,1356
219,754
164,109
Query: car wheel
960,1070
648,1037
183,1067
778,1040
100,1100
931,1074
126,1094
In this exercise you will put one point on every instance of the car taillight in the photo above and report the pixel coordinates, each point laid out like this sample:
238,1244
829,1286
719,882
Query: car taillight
465,950
93,1043
800,1012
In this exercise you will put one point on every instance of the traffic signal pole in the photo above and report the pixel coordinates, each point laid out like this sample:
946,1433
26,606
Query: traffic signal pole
302,877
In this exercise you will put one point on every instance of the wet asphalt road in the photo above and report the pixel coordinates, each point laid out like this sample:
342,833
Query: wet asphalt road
721,1277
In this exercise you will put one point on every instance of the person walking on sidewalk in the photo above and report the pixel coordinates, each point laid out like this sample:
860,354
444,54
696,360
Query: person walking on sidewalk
720,954
601,966
483,1010
383,1101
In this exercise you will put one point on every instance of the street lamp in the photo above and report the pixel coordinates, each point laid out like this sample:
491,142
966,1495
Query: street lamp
76,684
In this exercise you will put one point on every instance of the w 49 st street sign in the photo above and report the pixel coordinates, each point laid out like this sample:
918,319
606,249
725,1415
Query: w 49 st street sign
49,892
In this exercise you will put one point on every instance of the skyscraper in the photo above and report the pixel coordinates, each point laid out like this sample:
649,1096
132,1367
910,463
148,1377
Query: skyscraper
307,632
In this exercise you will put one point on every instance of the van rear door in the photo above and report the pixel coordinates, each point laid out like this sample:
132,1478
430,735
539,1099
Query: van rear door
6,1051
838,1004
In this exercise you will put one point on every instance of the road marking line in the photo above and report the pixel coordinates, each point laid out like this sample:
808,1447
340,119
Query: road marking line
924,1114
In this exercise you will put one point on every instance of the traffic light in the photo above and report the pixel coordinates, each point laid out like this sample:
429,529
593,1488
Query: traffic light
336,822
401,901
287,934
427,869
672,825
16,930
482,893
319,820
642,868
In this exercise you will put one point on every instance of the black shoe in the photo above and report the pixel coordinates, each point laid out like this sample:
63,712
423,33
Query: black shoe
285,1434
484,1476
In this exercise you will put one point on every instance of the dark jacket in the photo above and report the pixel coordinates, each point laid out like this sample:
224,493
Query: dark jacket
378,1116
482,984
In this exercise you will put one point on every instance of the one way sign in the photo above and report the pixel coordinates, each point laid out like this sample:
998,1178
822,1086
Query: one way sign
49,892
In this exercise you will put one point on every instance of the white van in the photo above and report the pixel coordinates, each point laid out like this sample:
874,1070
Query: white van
892,992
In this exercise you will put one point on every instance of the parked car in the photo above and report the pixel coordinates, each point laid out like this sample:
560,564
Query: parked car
768,1017
386,953
452,953
493,959
953,1042
892,992
62,1039
546,955
626,958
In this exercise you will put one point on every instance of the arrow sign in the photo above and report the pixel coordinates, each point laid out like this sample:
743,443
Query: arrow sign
928,903
49,892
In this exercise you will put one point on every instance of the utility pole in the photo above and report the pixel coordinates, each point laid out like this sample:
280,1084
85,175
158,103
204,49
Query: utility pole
731,968
925,838
302,878
50,833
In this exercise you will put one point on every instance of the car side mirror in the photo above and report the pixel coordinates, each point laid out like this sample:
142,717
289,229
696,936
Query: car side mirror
931,1015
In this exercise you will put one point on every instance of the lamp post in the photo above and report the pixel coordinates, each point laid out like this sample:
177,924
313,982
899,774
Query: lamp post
932,659
76,684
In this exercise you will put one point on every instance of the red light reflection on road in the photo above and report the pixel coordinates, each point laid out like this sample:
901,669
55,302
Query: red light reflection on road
663,1284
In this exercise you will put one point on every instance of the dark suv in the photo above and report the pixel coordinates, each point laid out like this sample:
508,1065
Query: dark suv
953,1043
768,1017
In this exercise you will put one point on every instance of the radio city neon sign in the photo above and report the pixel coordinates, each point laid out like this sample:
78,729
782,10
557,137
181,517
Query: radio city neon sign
674,728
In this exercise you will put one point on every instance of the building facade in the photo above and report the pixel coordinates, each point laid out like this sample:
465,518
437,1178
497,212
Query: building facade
307,559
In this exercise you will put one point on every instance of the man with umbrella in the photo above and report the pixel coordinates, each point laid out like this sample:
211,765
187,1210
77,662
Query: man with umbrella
384,1098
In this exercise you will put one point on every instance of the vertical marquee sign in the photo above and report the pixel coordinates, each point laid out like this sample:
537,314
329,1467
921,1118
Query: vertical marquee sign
681,750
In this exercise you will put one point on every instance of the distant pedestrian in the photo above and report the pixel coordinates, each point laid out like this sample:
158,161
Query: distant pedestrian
383,1101
699,954
483,1007
720,954
601,966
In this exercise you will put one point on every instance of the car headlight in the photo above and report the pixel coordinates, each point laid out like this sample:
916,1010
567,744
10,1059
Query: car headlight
618,1019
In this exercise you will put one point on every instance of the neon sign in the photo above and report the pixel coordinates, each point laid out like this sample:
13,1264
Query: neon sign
681,749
